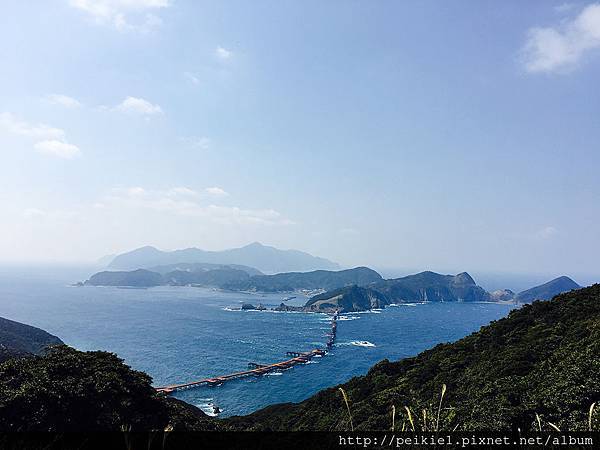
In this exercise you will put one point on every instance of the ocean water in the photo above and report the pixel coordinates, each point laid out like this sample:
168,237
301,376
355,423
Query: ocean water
179,334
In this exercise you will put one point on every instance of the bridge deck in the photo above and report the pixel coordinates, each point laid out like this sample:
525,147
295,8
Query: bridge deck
299,358
306,356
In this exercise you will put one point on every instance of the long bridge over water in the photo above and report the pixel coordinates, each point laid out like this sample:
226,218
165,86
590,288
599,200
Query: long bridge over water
255,369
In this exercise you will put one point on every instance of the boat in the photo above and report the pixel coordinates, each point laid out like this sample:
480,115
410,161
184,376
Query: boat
285,299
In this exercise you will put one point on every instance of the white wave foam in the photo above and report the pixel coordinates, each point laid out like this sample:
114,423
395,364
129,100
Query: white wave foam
208,409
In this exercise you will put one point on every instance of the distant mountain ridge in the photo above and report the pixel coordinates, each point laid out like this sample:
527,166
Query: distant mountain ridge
318,279
203,267
264,258
547,290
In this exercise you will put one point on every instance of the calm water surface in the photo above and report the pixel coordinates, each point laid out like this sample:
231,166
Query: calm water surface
180,334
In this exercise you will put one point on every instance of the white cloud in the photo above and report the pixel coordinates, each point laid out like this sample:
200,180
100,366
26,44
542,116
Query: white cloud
181,191
59,149
564,7
349,232
223,53
202,143
50,140
150,22
33,213
135,191
138,106
546,232
216,191
118,12
191,77
165,202
63,100
561,48
11,124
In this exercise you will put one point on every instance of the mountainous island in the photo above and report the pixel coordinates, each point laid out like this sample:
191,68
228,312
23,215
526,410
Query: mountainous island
264,258
426,287
547,290
236,279
309,281
349,290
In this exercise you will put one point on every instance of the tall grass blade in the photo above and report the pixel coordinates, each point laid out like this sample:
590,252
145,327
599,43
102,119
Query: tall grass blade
410,419
166,432
437,422
553,426
539,422
590,416
347,407
393,417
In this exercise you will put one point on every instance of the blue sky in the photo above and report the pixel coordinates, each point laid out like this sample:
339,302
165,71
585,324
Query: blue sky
430,135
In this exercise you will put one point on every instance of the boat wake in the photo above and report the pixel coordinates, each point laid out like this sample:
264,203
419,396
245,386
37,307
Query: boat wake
358,343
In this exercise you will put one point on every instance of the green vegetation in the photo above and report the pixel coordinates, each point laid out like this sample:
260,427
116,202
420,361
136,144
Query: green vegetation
536,369
318,279
432,287
347,299
237,279
69,390
134,278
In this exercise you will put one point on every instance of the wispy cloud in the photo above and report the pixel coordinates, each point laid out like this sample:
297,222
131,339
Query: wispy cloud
59,149
137,105
9,123
546,232
36,214
564,7
216,191
561,48
119,13
183,202
63,100
223,54
202,143
182,191
33,213
50,140
192,78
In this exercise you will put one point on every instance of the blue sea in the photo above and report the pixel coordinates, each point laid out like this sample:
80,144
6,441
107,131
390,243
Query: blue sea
179,334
